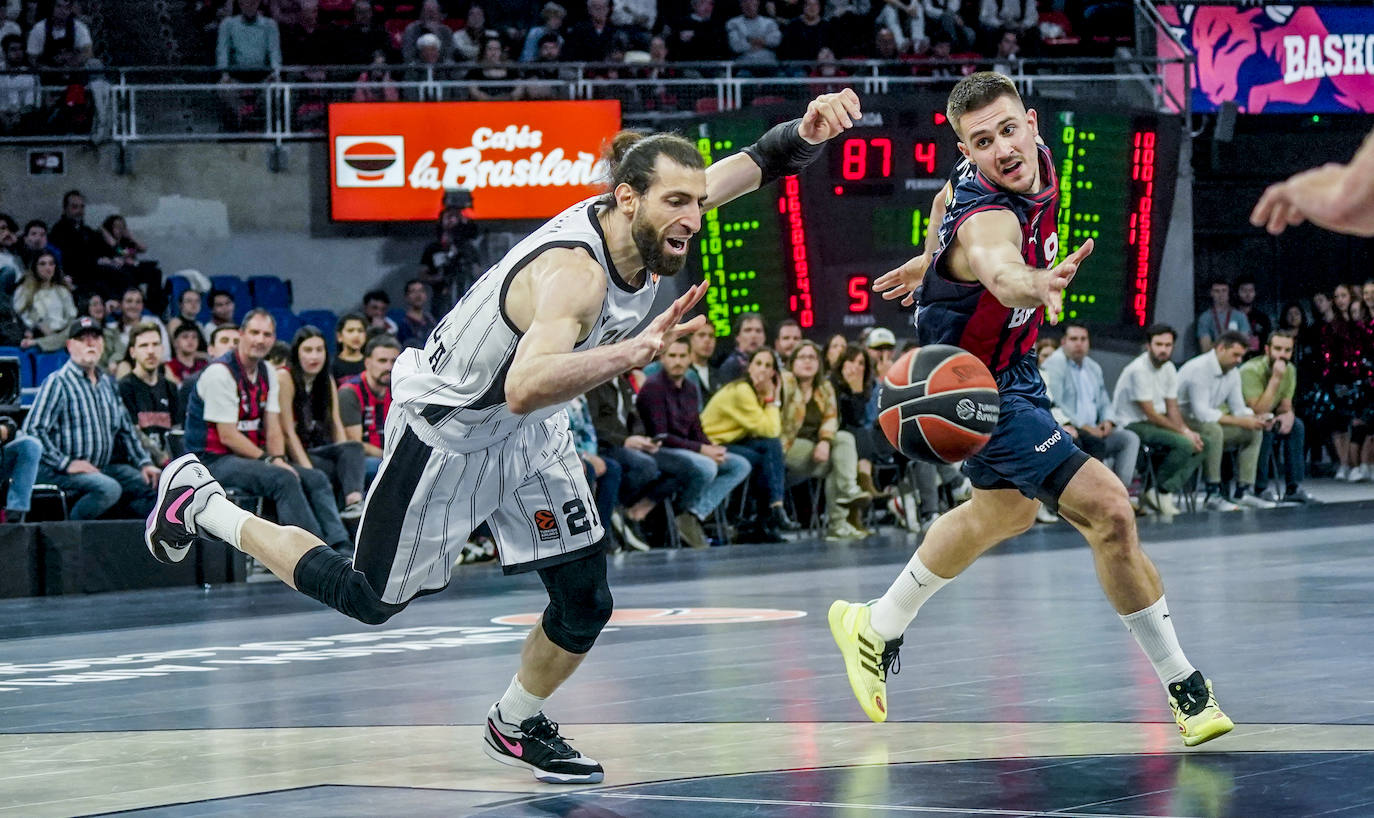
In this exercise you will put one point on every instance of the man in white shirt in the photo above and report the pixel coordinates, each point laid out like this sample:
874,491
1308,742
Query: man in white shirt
1213,405
1146,402
753,37
1076,382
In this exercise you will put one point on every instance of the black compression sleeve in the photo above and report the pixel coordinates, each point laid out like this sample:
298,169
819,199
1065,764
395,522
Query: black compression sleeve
782,152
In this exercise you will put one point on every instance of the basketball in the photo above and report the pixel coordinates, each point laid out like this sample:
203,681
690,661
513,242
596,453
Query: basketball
939,403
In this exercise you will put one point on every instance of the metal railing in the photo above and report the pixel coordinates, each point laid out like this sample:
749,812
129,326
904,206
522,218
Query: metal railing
156,104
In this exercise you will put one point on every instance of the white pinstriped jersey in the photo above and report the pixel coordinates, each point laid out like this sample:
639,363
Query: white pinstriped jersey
454,390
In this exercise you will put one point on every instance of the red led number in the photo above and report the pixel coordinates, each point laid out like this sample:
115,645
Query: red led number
858,293
924,153
854,158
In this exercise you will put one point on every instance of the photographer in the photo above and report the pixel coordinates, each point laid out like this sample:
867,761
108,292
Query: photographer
449,264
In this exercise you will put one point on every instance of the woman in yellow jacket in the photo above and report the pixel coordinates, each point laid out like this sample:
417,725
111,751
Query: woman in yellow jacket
745,416
814,446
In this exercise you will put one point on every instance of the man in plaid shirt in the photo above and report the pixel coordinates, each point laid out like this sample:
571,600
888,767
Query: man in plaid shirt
85,429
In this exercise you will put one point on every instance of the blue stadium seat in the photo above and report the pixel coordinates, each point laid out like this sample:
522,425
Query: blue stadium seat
270,292
237,287
47,363
322,320
26,379
287,323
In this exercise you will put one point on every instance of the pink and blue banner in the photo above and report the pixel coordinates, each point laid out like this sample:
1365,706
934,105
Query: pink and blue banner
1278,59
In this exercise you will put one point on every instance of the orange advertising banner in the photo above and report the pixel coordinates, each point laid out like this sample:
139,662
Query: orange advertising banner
392,161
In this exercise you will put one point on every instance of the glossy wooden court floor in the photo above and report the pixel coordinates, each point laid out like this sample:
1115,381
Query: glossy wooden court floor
718,691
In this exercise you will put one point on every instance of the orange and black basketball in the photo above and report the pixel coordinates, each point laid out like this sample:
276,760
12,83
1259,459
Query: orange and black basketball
939,403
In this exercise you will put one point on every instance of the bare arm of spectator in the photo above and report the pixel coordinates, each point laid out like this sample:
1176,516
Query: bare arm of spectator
295,451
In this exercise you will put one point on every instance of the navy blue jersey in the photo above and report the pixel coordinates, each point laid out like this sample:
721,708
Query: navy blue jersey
966,314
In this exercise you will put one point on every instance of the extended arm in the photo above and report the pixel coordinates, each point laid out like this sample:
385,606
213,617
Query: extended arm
1337,197
987,248
776,153
557,299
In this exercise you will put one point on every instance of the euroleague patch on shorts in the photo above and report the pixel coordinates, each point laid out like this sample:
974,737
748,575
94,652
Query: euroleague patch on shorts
674,616
547,524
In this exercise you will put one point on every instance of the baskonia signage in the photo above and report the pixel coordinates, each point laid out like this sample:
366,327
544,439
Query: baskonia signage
392,161
1278,58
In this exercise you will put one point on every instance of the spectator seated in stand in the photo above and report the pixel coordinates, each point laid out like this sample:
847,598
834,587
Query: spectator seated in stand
365,400
1146,402
188,312
149,397
44,303
233,422
852,380
670,404
553,16
350,334
131,315
469,40
248,45
223,341
621,436
750,335
35,241
591,39
80,246
603,474
1269,383
752,37
91,449
118,265
803,37
414,329
61,40
222,309
1078,387
813,445
1260,323
311,425
376,304
1222,317
21,92
430,21
187,359
745,416
20,457
1213,405
699,370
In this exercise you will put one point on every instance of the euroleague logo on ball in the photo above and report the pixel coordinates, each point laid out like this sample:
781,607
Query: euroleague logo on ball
370,161
967,409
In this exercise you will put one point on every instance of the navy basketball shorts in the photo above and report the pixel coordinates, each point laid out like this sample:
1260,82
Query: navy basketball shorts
1028,448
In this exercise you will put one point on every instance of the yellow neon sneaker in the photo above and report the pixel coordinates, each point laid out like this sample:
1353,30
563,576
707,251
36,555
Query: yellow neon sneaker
867,658
1196,711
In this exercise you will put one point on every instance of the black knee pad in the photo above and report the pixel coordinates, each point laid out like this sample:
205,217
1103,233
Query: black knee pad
1058,480
580,602
326,575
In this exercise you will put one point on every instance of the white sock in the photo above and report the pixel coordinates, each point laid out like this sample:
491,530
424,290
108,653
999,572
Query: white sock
892,613
222,519
518,703
1154,630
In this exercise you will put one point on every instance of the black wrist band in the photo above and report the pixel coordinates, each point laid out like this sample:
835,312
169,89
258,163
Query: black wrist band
782,152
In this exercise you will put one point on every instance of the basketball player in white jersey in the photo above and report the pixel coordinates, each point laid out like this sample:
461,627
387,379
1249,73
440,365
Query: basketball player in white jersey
477,428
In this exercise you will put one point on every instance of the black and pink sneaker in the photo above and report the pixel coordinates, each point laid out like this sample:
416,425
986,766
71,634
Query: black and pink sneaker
182,491
536,745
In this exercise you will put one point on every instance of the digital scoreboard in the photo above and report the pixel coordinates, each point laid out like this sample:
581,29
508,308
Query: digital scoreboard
811,247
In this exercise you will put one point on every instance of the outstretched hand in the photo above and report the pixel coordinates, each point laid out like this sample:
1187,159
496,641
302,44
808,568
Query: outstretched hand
829,115
665,328
1056,281
903,281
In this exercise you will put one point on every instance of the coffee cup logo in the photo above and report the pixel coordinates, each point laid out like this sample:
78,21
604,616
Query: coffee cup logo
369,161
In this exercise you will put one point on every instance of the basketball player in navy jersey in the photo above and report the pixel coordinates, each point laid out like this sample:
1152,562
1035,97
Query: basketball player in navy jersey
478,431
991,277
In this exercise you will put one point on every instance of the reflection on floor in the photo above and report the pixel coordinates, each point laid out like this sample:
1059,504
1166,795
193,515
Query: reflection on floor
716,692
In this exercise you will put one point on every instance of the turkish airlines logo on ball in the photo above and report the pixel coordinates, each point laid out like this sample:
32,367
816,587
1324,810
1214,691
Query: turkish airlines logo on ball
370,161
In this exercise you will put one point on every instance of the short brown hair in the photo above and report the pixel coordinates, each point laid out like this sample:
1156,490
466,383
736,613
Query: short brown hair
142,328
1291,335
976,91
